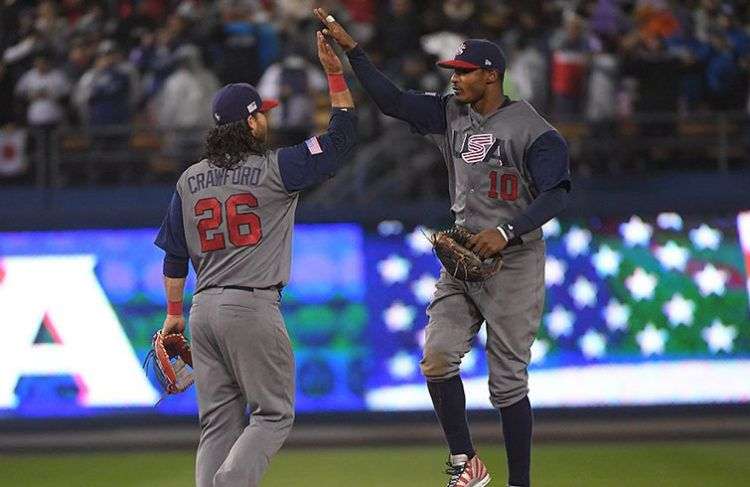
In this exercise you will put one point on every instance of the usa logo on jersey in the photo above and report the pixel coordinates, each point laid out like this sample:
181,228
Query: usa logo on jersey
476,147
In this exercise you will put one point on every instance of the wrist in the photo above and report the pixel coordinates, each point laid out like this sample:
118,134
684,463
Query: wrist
174,308
336,83
506,231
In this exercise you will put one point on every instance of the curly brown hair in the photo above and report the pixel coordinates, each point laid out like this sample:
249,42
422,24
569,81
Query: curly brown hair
228,145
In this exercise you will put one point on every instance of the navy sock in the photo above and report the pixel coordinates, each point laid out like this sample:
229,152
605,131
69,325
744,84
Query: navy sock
450,406
517,423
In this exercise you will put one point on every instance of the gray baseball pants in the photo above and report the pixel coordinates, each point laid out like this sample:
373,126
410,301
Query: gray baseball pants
511,302
243,362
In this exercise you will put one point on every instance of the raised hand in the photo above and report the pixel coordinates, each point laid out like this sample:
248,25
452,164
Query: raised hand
328,58
334,30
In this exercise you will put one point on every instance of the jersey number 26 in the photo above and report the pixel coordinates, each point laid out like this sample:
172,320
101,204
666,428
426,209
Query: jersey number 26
211,239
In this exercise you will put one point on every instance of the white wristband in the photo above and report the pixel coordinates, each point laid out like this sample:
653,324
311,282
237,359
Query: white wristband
502,232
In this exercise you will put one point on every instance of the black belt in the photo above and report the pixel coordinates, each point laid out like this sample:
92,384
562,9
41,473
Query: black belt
277,287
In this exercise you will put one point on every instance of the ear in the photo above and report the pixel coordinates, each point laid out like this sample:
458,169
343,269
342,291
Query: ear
493,75
252,124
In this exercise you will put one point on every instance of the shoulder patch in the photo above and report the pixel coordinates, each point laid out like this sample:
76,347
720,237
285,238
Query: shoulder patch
313,145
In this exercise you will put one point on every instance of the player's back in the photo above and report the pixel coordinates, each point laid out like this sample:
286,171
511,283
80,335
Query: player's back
238,222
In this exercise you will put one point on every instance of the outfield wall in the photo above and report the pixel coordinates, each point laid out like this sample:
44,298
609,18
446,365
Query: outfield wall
643,309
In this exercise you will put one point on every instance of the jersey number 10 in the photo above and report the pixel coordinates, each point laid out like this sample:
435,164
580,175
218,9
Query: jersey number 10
207,227
508,187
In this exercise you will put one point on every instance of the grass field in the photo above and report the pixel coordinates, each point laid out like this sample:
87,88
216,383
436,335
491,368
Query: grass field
686,464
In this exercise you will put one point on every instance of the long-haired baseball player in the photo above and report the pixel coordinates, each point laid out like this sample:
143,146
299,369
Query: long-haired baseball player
232,215
508,174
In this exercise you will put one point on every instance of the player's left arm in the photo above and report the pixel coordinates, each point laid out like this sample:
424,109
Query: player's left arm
171,239
549,165
318,158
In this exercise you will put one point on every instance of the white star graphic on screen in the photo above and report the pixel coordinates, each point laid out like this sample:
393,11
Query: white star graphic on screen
559,322
679,311
387,228
577,241
593,344
551,228
651,340
420,337
394,269
469,361
419,241
641,284
669,221
399,317
606,261
616,315
583,293
402,366
711,281
705,237
423,288
672,256
539,350
719,337
635,232
554,271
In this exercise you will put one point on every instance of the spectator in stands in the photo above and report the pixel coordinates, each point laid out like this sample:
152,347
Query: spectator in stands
245,45
693,55
295,82
182,108
397,32
50,26
528,70
571,52
655,69
7,97
44,90
102,96
726,89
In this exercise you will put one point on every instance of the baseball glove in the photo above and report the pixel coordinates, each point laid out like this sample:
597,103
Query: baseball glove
170,355
459,261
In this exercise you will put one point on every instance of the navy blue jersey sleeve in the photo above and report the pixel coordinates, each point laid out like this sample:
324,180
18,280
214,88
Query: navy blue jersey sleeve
548,162
546,206
424,112
171,239
318,158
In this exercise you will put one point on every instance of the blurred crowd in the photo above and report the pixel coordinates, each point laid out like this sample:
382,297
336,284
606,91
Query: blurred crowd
102,64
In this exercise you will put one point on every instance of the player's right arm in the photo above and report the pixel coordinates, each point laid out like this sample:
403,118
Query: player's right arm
318,158
424,112
171,239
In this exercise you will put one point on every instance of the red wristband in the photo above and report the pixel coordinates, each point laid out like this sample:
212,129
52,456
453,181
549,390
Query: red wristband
174,308
336,83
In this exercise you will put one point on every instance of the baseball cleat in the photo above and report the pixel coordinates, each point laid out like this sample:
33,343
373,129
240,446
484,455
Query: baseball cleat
466,473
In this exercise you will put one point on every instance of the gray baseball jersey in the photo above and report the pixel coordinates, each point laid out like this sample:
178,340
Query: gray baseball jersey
489,180
238,223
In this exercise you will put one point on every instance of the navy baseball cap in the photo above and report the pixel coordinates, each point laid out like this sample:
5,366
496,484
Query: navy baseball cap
238,101
476,54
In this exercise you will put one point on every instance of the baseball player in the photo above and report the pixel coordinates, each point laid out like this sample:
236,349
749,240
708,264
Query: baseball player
232,215
508,174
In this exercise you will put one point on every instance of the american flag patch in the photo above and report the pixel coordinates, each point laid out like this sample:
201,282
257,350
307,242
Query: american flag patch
313,146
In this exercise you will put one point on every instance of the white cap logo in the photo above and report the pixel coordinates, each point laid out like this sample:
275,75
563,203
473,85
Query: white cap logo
487,62
252,107
461,49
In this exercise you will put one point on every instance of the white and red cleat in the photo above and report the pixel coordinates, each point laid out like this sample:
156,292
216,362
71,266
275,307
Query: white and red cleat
467,473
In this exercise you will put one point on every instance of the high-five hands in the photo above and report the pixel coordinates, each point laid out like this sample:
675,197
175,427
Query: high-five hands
334,30
328,58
